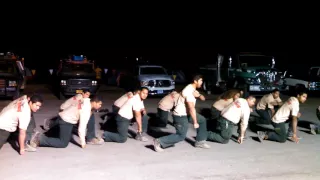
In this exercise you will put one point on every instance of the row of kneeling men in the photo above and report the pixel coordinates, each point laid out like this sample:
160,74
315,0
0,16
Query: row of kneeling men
228,111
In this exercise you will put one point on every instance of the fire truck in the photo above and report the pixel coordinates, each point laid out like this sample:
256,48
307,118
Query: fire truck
12,75
74,75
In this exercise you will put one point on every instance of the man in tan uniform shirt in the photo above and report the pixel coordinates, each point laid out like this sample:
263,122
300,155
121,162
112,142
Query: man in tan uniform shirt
288,111
267,103
237,111
72,115
18,115
183,113
132,108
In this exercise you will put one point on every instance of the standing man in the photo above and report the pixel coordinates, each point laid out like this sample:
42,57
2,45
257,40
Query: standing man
267,104
132,108
237,111
185,111
289,110
74,114
18,115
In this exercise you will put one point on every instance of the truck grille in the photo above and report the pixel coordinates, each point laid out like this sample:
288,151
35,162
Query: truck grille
160,83
79,82
2,83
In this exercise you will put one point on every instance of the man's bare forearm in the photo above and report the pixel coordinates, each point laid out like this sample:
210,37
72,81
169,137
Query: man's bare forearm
139,120
294,125
22,139
193,115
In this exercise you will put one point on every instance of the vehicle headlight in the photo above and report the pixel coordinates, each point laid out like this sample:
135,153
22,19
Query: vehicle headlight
94,83
312,84
144,83
250,80
12,83
63,82
173,82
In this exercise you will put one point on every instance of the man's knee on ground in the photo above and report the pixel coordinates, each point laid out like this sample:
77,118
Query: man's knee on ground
62,145
282,140
225,141
123,139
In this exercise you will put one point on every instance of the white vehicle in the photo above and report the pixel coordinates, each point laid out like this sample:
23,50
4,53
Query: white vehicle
155,78
310,80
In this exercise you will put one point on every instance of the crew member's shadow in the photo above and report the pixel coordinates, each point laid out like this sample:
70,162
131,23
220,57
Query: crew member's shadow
13,141
154,129
109,122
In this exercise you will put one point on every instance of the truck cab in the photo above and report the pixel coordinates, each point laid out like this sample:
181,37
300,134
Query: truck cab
12,75
250,71
74,75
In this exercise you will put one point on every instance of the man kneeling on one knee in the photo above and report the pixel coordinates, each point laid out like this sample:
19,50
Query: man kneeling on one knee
70,116
230,116
132,108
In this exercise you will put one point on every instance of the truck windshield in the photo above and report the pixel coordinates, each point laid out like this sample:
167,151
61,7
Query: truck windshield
255,60
78,67
7,67
153,70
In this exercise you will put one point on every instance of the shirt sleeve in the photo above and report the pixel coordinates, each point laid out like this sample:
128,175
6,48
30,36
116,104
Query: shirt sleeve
85,114
295,108
188,95
137,106
24,116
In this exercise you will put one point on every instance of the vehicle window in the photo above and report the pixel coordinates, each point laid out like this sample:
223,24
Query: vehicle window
152,70
7,67
78,67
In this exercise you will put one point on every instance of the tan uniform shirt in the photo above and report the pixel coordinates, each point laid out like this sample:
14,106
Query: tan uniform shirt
123,99
187,96
73,100
222,103
237,111
268,100
16,114
169,101
133,104
283,114
79,112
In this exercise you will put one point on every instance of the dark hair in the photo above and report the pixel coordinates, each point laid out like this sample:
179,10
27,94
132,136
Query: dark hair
197,77
36,98
85,91
95,98
275,90
229,94
142,88
301,92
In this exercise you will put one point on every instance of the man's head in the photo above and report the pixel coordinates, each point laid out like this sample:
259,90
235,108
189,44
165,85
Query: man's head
86,94
197,80
275,93
251,101
143,93
302,96
96,102
35,102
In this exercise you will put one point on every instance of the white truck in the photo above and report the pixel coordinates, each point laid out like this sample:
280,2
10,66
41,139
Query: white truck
154,77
